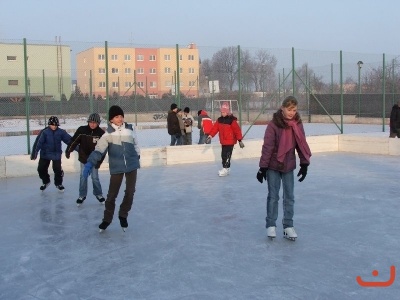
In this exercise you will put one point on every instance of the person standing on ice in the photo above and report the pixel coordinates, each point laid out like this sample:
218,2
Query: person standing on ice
86,138
229,134
49,142
283,135
124,160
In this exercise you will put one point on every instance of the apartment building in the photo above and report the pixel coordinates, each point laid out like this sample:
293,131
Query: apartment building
49,71
150,72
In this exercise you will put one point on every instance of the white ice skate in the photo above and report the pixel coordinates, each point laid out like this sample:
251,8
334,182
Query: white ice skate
290,234
224,172
271,232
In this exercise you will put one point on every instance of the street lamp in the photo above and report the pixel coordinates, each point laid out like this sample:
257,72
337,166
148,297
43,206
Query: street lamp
359,64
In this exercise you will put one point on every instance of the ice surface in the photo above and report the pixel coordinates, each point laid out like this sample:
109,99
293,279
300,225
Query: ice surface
194,235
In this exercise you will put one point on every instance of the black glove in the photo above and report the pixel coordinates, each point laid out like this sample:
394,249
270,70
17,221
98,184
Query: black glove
67,155
262,174
302,172
241,144
139,156
208,140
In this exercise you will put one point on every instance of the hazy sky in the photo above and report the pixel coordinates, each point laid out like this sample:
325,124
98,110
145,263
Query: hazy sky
349,25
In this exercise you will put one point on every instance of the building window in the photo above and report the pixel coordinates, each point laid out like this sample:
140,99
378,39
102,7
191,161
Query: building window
192,83
140,71
153,84
114,84
11,58
127,57
114,57
114,70
102,71
13,82
180,70
153,71
167,70
101,57
140,84
127,70
128,84
140,57
153,96
191,70
190,57
102,84
181,83
152,58
180,57
167,57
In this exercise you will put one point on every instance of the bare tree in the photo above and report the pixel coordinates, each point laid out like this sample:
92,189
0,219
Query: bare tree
224,64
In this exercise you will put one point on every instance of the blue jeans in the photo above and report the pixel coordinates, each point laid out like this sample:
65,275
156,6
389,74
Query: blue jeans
274,179
83,183
176,140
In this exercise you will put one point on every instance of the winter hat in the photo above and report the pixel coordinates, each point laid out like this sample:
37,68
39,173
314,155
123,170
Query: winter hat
114,111
53,120
225,107
94,117
186,110
173,106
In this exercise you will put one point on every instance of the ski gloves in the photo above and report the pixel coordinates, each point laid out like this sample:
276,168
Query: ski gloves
87,170
262,174
241,144
302,172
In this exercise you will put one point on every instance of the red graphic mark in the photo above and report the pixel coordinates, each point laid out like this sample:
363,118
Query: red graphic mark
378,283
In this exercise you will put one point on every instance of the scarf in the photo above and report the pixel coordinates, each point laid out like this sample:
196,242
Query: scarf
291,136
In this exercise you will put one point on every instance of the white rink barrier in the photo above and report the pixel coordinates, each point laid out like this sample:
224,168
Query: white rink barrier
21,165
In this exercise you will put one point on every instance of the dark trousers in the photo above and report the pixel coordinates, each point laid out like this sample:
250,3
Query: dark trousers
43,170
226,154
113,190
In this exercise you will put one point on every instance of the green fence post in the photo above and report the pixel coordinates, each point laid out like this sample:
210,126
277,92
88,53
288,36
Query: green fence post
383,93
91,91
341,93
44,98
107,96
27,98
177,90
240,89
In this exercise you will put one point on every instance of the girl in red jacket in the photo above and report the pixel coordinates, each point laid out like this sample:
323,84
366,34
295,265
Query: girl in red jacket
229,133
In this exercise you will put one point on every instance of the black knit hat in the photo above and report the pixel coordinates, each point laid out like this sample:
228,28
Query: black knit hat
94,117
114,111
173,106
186,110
53,120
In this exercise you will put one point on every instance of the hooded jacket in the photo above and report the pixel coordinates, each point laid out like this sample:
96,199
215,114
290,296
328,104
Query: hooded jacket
270,147
205,123
229,130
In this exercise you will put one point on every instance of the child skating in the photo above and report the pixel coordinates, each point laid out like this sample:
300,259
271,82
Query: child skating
120,142
284,135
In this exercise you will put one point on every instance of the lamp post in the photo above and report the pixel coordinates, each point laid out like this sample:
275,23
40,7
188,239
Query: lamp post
359,64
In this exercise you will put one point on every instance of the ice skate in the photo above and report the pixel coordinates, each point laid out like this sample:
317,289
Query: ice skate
44,186
80,200
224,172
61,188
103,226
101,199
124,223
271,232
290,234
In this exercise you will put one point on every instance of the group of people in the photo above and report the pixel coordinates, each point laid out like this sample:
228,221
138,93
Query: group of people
283,136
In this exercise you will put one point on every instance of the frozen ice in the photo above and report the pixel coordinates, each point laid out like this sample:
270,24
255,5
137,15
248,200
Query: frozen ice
194,235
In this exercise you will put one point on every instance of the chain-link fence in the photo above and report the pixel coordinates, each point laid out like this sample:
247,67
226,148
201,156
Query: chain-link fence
73,79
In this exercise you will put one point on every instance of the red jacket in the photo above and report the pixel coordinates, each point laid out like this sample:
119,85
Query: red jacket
229,130
205,122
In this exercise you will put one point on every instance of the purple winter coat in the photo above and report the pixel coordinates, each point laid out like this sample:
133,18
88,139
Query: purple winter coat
270,147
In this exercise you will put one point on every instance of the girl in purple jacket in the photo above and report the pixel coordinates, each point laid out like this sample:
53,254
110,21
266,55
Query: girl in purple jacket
283,135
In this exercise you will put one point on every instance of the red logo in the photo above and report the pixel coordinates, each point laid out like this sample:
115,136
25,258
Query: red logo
378,283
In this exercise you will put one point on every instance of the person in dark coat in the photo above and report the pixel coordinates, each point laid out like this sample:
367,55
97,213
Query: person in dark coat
174,129
86,138
284,135
48,143
395,121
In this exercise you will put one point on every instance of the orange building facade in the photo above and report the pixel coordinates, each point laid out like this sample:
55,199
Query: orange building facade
150,72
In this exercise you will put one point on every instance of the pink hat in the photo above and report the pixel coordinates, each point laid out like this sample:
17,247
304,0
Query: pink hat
225,107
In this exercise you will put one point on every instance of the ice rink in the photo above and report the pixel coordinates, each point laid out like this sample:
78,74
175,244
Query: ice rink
193,235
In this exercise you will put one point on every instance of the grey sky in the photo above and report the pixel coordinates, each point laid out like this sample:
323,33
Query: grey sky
352,26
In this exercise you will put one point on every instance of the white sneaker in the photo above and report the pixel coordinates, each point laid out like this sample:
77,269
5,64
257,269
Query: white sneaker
289,233
223,172
271,231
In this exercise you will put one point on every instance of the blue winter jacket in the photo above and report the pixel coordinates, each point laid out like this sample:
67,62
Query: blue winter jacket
48,143
123,150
